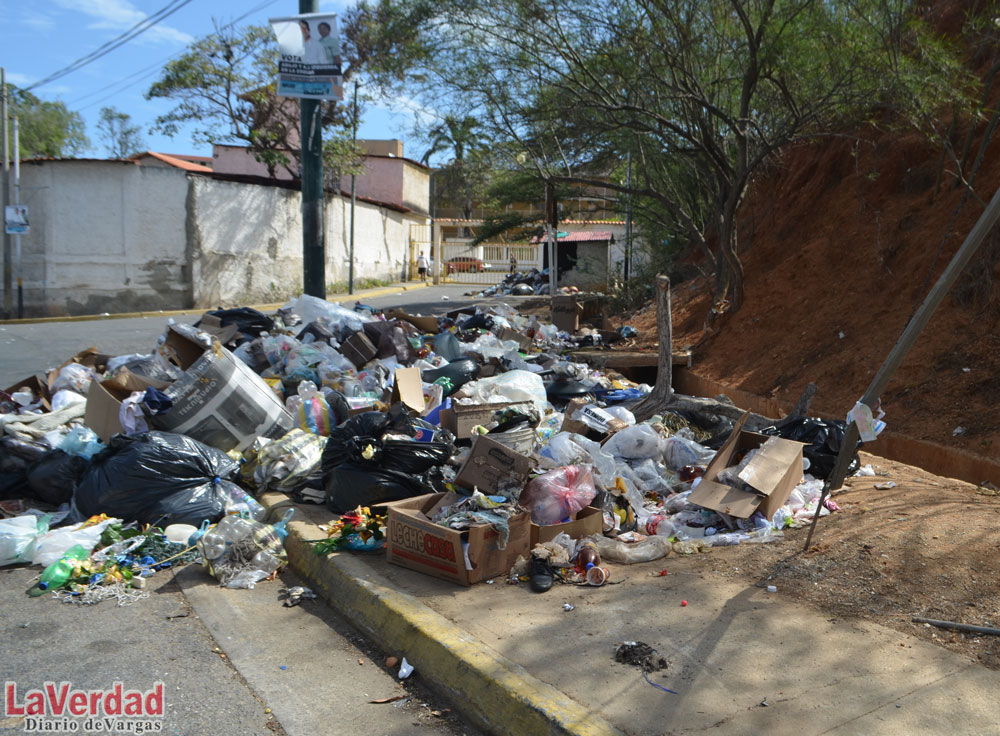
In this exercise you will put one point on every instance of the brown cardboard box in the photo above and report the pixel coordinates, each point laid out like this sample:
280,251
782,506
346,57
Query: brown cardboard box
566,311
427,325
358,349
39,388
104,400
464,557
491,465
460,419
773,472
409,389
524,342
586,521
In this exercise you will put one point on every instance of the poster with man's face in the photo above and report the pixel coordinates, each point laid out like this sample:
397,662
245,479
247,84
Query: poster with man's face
309,61
15,218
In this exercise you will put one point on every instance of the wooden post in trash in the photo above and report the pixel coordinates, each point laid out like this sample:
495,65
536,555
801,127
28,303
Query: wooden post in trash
906,340
663,390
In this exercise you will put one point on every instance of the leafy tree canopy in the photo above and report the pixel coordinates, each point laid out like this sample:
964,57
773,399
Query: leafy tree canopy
46,128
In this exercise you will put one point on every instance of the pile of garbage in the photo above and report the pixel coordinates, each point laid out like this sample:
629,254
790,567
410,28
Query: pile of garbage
474,421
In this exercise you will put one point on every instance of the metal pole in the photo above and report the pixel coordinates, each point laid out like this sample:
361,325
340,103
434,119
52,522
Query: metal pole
313,230
551,219
906,340
627,271
7,296
17,236
354,193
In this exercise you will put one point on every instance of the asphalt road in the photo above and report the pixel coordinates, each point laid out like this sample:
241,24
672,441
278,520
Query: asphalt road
232,662
28,348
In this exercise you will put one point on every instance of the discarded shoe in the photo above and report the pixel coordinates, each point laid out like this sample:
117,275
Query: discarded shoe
541,574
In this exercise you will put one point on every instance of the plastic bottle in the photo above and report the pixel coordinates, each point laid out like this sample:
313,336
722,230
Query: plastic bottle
59,572
587,555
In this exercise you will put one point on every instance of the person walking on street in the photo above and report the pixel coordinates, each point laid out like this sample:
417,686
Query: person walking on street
422,266
513,263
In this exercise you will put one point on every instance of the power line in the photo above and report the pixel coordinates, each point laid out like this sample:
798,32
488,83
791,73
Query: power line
146,72
142,26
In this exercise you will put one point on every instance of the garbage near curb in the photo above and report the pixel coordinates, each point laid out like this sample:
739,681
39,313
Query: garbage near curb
483,442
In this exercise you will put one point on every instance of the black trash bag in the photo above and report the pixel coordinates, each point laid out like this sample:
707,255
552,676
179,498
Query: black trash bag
247,320
564,389
353,484
823,439
458,372
54,478
16,458
448,347
158,477
475,322
522,290
320,332
361,468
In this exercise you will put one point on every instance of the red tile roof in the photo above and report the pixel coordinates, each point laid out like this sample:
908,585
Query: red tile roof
185,163
580,237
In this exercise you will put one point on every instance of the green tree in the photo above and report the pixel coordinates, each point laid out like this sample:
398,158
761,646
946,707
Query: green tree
120,137
702,93
46,128
464,178
224,87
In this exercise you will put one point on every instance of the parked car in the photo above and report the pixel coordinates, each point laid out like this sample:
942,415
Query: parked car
465,263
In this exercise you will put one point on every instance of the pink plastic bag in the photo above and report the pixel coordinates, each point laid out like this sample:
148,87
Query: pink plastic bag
558,494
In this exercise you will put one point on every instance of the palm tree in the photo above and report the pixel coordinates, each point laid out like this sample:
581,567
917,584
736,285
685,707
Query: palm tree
462,137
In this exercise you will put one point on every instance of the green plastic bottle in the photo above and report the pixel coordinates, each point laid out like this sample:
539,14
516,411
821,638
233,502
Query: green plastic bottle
59,572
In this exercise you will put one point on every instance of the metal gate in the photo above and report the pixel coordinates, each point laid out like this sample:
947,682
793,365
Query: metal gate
420,240
486,263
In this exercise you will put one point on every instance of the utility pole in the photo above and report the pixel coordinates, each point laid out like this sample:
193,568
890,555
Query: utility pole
354,196
17,236
8,302
551,223
313,231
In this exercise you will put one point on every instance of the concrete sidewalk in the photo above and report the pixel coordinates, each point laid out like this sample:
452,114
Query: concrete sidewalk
518,663
332,298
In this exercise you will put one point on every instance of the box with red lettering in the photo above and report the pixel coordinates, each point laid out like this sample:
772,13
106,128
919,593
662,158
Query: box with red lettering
465,557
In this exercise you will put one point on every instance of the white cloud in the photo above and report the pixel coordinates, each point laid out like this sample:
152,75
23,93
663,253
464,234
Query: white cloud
119,15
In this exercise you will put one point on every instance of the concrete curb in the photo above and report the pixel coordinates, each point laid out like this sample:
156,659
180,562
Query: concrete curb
497,694
336,299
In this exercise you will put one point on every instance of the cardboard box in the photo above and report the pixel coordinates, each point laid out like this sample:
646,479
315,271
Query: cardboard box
409,389
219,400
566,311
460,419
358,349
465,557
491,465
524,342
773,472
586,521
39,387
104,400
427,325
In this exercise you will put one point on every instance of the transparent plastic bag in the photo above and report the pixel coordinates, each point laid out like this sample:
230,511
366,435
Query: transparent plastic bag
514,386
18,537
556,495
53,544
66,397
75,377
679,451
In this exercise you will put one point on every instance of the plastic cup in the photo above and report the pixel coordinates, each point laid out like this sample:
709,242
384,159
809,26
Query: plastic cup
597,576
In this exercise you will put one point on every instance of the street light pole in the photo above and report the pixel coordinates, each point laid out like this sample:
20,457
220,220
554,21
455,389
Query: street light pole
7,296
313,231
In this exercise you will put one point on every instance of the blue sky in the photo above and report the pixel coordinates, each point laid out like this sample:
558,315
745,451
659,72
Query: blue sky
37,39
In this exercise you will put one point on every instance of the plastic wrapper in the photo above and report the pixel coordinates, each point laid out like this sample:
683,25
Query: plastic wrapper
555,496
512,386
635,443
75,377
340,320
18,537
628,553
157,477
285,464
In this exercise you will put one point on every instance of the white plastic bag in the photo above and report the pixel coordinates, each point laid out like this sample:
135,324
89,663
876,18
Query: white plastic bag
679,451
514,386
53,545
66,397
19,536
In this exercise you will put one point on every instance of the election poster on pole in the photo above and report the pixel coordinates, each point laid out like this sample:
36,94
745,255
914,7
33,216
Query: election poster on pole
309,60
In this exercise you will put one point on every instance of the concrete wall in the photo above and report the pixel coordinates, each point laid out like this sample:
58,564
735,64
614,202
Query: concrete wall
589,271
109,236
105,236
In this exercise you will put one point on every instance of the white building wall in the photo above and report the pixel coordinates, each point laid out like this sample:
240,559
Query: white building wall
105,236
